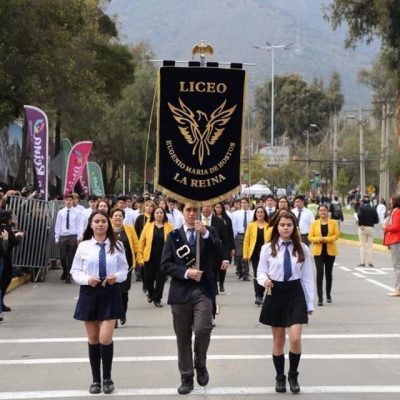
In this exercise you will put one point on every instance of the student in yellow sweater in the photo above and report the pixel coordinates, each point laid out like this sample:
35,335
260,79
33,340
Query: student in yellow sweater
323,234
254,238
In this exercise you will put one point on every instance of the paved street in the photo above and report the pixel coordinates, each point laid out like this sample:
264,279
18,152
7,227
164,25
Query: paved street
351,348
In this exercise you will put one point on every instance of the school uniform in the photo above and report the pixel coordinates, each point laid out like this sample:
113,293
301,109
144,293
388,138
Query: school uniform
101,302
291,299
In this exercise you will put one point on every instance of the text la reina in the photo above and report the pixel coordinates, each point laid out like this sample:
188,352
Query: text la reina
200,183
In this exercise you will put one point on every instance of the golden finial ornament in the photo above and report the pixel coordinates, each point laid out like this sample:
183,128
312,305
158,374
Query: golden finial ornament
203,49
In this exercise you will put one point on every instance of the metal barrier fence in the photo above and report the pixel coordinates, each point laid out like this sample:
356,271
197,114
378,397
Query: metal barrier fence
37,219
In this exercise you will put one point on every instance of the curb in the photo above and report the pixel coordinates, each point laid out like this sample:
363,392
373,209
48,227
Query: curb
18,281
379,247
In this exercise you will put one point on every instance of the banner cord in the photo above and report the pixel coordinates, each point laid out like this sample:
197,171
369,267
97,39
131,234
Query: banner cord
148,138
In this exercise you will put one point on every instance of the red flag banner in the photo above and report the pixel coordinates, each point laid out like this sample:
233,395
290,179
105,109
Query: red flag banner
77,160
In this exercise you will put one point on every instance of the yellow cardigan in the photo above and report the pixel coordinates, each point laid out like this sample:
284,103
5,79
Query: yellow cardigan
146,239
315,234
250,238
133,242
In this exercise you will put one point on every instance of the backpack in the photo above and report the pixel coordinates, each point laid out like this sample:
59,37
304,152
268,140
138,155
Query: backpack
336,211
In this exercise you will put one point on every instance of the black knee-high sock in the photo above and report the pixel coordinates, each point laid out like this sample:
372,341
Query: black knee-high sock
107,353
294,360
95,359
279,363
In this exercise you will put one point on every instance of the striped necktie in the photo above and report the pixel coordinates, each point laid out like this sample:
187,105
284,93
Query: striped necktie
192,240
67,224
287,263
102,260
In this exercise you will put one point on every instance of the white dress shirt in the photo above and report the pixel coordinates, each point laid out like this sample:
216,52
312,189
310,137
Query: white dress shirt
85,214
306,219
130,216
238,221
272,268
177,219
60,228
86,262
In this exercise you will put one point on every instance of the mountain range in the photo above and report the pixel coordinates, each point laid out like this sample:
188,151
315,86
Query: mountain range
233,27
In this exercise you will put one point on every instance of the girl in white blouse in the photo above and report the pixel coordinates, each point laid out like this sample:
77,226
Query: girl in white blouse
99,267
285,271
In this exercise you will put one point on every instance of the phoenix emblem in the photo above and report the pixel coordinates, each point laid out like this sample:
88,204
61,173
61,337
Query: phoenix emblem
199,129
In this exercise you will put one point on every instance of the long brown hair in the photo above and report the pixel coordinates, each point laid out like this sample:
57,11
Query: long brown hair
110,235
295,237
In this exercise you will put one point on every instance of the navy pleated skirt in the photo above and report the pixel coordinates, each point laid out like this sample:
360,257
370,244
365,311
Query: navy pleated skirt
99,303
285,306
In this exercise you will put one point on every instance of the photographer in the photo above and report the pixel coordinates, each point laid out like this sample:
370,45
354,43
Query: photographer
14,238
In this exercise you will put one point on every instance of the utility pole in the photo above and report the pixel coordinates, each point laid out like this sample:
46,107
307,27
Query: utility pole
362,154
383,169
335,153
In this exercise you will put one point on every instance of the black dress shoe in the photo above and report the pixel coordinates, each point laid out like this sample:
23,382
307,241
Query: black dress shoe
320,303
280,385
294,385
123,321
221,287
202,376
259,301
329,300
108,386
186,386
68,279
6,309
246,278
95,388
62,277
158,304
149,299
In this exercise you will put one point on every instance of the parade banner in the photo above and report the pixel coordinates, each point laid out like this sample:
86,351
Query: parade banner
77,160
200,119
96,179
38,129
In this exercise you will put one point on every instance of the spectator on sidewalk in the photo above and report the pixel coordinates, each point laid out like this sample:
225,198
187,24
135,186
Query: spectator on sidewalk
367,218
335,209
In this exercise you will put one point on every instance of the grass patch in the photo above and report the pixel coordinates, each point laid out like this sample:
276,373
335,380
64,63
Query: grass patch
350,236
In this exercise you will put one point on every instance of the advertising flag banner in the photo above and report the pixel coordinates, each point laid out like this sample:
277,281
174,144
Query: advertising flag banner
199,133
66,147
77,160
38,135
85,180
96,179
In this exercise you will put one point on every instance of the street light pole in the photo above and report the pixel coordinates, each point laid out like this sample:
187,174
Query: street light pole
362,154
272,47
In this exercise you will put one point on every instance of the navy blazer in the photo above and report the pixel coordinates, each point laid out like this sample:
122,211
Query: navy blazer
181,289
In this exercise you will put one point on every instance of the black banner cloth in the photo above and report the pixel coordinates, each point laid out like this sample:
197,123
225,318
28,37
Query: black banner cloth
199,133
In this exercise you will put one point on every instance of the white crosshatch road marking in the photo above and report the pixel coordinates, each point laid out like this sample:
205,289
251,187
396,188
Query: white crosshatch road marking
207,391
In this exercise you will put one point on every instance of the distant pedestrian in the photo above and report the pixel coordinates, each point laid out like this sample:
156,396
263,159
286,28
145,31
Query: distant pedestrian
367,218
285,270
335,210
304,217
99,267
392,239
381,210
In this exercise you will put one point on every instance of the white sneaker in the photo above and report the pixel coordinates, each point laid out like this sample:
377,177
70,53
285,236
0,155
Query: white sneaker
395,293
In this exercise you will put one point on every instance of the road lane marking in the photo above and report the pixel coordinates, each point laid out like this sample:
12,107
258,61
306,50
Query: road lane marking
229,391
345,268
213,337
217,357
391,288
358,275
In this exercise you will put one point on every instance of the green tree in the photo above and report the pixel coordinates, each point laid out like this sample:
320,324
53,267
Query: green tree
371,19
343,182
297,105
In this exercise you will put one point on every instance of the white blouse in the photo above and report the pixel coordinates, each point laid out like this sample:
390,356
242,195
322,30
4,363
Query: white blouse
86,262
270,267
